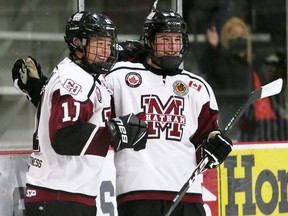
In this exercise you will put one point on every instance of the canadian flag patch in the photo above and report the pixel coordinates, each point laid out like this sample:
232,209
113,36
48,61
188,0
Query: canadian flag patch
195,85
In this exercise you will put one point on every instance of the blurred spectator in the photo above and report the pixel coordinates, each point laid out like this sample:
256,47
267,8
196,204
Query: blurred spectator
269,117
226,63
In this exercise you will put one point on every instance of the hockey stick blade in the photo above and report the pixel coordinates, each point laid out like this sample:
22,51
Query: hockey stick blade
270,89
267,90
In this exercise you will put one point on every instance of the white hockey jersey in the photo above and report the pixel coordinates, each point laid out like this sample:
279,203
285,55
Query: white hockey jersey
179,110
71,95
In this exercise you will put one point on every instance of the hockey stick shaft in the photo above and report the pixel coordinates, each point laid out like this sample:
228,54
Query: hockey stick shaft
153,8
270,89
80,5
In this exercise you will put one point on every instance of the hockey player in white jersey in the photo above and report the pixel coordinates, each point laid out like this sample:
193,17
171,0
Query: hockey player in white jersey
181,112
71,135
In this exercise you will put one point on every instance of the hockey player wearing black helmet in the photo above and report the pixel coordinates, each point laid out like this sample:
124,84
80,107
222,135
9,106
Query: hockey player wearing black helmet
71,136
181,112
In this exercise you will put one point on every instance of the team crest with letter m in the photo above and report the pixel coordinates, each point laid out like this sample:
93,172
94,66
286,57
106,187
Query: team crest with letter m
166,118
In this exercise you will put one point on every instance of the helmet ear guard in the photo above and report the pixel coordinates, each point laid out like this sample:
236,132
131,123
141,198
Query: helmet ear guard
77,44
147,43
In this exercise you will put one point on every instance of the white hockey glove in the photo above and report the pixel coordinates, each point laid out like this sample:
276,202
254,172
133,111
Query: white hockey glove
28,78
128,132
216,147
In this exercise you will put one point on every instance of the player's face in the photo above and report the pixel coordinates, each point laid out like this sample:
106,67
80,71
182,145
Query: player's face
167,44
98,49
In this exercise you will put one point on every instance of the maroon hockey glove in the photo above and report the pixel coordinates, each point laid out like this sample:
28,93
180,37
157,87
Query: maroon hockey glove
28,78
128,132
216,147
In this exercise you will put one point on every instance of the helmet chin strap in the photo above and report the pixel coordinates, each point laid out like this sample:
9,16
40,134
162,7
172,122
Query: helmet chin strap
81,61
167,62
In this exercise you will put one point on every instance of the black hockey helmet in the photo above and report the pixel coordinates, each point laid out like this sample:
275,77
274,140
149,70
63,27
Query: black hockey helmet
84,25
161,22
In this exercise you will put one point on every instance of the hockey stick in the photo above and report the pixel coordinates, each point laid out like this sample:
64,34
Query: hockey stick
270,89
153,8
80,5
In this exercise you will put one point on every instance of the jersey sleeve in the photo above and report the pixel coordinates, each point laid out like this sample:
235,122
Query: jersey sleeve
208,116
76,124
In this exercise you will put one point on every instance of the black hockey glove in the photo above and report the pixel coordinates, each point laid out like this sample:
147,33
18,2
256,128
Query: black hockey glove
131,50
128,132
216,147
28,78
